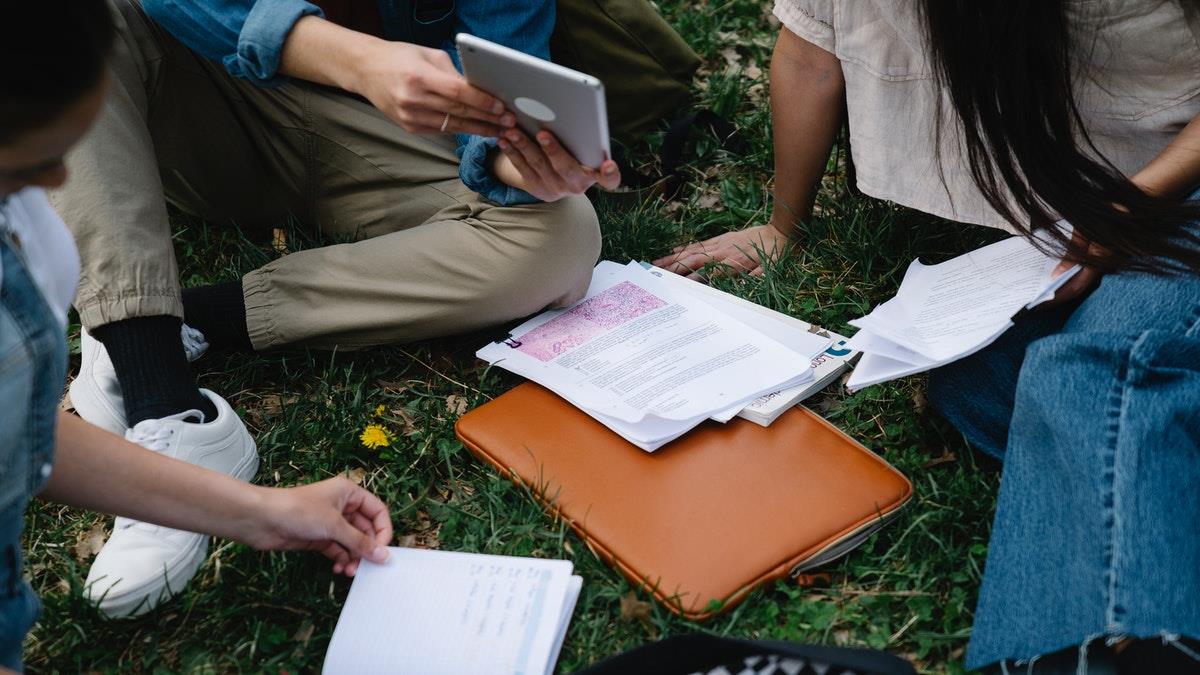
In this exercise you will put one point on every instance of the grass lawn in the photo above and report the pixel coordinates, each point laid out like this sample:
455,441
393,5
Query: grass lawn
909,589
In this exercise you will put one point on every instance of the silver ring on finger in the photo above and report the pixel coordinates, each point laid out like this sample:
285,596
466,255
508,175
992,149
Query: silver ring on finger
445,123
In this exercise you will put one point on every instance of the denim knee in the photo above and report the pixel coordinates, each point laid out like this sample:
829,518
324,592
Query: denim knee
954,391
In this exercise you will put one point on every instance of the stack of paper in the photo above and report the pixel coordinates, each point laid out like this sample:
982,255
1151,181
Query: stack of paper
436,612
826,367
650,361
945,312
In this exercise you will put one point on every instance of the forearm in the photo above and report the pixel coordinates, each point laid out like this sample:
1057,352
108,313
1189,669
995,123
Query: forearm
807,100
96,470
1176,170
323,52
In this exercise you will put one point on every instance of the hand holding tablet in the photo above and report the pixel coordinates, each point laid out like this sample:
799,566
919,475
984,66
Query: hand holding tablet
561,144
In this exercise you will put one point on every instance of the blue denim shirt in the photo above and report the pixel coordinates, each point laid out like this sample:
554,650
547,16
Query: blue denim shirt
247,36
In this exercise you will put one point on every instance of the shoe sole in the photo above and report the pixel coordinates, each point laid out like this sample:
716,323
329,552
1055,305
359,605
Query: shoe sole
136,603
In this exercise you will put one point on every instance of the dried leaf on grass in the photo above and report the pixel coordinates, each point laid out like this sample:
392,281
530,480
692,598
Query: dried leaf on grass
279,241
391,385
304,633
424,534
633,609
947,457
91,542
407,423
457,405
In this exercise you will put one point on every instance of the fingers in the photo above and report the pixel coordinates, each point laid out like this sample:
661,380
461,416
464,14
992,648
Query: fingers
423,121
518,161
610,175
671,262
447,83
575,176
536,160
689,260
373,510
361,527
357,543
1078,286
443,105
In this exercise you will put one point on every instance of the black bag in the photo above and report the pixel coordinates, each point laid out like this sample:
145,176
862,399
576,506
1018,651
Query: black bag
701,654
647,70
646,67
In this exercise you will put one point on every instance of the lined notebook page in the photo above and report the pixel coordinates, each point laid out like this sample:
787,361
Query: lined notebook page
434,612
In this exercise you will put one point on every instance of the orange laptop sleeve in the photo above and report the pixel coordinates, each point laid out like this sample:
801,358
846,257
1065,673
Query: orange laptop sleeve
707,518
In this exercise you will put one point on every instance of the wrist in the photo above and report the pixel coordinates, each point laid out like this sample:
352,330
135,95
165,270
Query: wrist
361,53
256,512
785,227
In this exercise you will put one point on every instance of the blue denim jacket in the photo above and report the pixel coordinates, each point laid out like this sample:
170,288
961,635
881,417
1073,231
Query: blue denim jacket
247,36
33,367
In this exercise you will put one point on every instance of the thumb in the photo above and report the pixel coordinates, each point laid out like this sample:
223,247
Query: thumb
360,544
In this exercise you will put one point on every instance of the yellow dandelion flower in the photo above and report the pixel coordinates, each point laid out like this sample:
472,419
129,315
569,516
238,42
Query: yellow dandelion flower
380,409
376,436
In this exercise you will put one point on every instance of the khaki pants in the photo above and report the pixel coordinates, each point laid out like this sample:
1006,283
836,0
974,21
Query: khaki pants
426,257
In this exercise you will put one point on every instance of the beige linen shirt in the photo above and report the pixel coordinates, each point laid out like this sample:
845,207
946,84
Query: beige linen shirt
1137,86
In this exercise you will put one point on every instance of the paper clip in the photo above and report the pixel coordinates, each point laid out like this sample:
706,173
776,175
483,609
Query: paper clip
513,343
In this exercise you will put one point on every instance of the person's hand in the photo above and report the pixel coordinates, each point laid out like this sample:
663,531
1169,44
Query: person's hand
545,169
341,520
1085,280
417,87
731,253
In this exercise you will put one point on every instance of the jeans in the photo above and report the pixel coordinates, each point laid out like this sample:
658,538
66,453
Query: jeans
1095,411
33,364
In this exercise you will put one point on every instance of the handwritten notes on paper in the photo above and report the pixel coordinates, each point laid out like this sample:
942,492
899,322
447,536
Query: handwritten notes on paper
435,612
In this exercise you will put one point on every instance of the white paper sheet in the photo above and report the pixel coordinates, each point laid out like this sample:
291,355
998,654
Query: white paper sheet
439,612
792,333
948,311
943,310
633,349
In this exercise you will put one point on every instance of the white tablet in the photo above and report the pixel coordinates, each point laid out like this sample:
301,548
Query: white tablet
543,95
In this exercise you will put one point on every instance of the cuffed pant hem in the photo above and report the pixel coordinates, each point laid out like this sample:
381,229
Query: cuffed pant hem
260,325
104,310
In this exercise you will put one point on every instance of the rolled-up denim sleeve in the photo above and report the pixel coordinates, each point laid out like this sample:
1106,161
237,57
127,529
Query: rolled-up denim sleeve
524,25
473,170
246,36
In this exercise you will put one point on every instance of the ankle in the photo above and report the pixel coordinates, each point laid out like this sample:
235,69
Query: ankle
219,311
148,357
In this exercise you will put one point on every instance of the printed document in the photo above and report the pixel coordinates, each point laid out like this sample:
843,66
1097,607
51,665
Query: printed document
947,311
438,612
828,352
633,351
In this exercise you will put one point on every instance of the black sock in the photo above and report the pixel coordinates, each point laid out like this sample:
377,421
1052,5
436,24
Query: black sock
219,311
1151,655
156,378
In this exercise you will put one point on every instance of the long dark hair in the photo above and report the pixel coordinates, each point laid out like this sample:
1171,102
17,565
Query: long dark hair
51,54
1007,66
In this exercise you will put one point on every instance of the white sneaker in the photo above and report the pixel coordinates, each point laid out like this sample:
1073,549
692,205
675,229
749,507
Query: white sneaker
95,391
142,564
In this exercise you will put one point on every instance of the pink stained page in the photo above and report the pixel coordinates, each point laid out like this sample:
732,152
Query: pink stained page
602,312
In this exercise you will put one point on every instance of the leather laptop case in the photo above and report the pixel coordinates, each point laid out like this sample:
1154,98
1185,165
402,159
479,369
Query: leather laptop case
706,519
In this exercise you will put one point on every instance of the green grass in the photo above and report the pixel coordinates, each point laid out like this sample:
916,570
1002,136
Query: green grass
909,589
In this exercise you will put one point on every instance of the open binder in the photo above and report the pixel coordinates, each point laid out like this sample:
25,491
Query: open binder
709,517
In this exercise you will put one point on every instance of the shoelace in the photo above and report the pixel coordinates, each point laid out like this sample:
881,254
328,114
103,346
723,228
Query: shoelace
194,344
155,436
